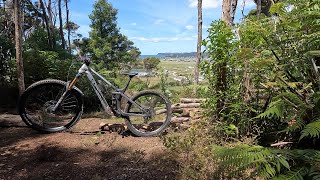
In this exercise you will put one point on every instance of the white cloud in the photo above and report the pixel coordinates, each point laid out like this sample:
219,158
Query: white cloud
189,27
133,24
159,21
163,39
206,4
248,3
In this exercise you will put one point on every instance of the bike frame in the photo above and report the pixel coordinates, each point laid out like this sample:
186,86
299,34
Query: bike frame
119,93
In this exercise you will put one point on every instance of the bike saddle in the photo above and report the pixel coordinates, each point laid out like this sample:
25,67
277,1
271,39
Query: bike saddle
131,74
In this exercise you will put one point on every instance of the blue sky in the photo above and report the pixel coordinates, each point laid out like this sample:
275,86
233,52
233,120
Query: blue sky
157,26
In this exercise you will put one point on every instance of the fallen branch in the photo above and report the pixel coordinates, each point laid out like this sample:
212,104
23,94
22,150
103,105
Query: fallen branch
280,144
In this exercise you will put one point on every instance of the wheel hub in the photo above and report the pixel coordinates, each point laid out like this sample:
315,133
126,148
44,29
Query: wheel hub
49,106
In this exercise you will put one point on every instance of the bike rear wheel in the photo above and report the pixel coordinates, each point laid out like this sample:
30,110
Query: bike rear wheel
37,103
157,113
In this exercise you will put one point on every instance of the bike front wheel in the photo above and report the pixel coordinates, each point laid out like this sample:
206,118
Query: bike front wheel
149,115
36,106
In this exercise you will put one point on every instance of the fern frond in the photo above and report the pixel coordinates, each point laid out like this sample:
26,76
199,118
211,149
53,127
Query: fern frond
313,174
275,110
312,130
266,162
294,99
294,175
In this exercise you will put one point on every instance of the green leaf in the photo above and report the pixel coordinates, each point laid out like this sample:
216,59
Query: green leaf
312,130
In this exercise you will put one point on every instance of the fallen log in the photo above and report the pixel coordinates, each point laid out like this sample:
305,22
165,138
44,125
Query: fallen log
177,110
184,126
190,105
191,100
162,111
188,112
179,119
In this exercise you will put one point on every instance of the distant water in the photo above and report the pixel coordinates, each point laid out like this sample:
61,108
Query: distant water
146,56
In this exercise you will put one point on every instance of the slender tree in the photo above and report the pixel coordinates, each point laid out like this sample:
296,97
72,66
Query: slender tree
61,25
46,22
68,25
234,4
228,11
258,8
18,41
51,25
196,69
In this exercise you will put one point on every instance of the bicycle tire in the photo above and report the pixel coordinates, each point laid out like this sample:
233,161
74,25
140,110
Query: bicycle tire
134,128
35,116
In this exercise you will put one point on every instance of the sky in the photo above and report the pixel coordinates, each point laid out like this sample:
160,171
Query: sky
162,26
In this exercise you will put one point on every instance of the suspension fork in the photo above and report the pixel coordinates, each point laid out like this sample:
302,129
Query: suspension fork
69,86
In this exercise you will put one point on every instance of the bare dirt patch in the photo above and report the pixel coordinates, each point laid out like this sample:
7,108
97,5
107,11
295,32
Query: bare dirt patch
82,153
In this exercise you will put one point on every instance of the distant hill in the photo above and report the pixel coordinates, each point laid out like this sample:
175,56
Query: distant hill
171,55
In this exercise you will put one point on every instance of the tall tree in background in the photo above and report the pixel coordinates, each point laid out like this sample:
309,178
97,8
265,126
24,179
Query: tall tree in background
107,43
258,2
234,4
263,6
68,25
228,11
196,69
18,41
46,23
61,25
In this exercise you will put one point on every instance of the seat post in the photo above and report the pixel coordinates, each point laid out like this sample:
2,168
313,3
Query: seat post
127,85
130,75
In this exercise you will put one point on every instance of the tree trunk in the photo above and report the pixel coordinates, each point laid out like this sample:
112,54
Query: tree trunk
68,26
265,6
61,25
234,4
18,41
196,69
51,26
258,8
226,10
45,19
49,13
221,85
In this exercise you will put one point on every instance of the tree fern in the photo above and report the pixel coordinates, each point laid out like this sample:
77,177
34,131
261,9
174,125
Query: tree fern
275,110
311,130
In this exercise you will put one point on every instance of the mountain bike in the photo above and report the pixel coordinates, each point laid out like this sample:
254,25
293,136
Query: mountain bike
53,105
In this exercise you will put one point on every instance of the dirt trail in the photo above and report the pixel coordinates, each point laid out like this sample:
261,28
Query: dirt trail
80,153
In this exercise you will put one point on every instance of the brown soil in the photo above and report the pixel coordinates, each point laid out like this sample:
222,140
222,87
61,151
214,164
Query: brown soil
81,153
